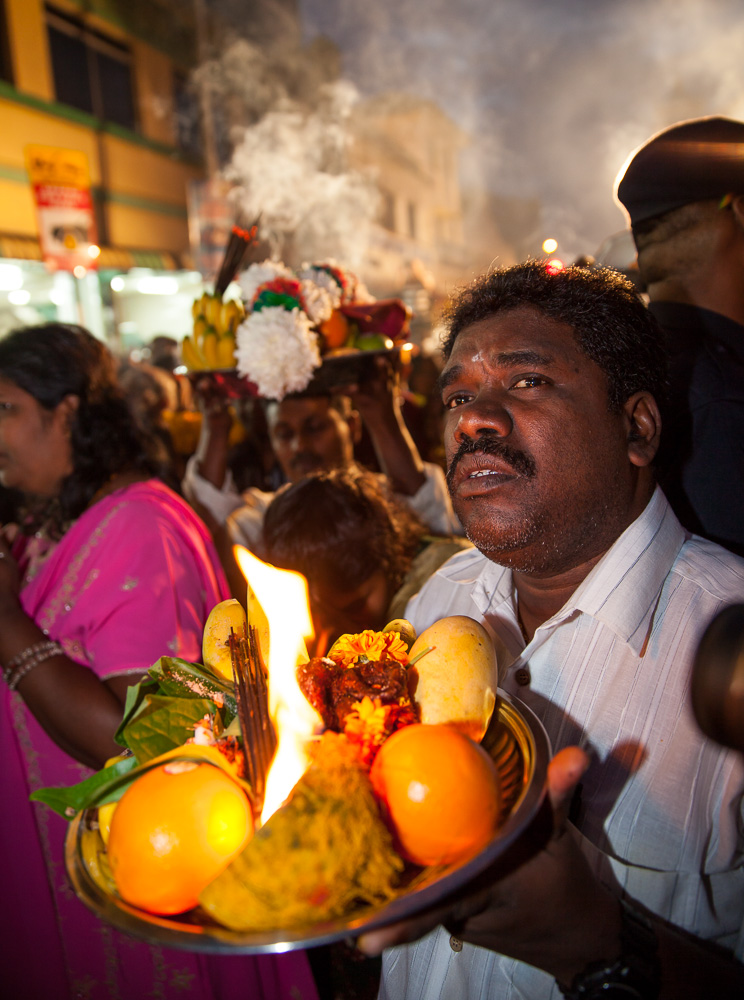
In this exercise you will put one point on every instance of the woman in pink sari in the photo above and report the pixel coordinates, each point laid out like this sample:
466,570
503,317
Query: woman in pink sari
110,571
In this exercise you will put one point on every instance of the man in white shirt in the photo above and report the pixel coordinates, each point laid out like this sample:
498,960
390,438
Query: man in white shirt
318,433
596,599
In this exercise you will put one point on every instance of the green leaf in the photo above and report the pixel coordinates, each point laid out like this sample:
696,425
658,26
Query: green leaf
136,693
107,785
192,680
163,723
269,298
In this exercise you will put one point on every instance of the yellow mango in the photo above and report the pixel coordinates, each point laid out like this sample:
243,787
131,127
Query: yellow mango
224,617
404,629
257,618
455,682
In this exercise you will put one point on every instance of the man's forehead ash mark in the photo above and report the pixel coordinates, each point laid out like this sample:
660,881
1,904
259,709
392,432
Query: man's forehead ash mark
503,359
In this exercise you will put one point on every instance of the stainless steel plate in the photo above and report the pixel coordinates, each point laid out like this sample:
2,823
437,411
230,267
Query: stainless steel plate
520,748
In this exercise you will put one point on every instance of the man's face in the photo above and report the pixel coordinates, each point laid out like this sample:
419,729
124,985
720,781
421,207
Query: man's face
538,467
309,435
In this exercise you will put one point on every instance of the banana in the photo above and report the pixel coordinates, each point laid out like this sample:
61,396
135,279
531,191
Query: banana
95,860
226,351
209,348
212,310
231,315
105,814
191,355
200,328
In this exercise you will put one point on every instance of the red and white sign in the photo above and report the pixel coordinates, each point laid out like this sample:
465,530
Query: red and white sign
60,181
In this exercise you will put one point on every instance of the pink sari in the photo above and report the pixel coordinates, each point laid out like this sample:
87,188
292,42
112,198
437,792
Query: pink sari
132,580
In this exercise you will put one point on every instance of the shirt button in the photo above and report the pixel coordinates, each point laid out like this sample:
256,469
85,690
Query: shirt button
522,676
455,944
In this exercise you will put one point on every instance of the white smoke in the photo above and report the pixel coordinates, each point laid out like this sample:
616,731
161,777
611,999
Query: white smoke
292,167
289,135
555,93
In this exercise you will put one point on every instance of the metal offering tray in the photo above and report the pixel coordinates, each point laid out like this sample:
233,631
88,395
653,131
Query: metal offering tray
520,748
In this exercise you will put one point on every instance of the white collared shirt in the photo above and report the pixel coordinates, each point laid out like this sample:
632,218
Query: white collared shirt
661,810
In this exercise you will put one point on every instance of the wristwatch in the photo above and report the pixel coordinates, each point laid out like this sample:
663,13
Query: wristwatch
635,975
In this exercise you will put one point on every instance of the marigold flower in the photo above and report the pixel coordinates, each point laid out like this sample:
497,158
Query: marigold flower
347,649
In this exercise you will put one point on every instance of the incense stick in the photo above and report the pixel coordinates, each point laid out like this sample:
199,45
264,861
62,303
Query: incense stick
235,252
252,695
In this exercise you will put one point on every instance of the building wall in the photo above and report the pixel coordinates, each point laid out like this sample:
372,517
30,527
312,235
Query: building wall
412,149
139,178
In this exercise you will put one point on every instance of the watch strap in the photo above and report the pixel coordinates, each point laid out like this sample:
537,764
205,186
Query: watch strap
635,975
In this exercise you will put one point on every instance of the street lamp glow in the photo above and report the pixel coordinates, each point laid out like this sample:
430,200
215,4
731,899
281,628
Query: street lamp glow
550,246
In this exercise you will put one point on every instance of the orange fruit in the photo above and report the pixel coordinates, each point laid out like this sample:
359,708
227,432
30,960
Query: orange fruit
440,791
174,830
335,330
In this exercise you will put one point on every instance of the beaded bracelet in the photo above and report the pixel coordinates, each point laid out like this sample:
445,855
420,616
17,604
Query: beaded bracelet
24,662
26,654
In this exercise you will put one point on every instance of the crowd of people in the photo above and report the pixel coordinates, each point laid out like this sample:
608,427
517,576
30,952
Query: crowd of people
586,509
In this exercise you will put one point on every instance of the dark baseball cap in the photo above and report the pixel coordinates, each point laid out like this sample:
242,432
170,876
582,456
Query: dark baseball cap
695,160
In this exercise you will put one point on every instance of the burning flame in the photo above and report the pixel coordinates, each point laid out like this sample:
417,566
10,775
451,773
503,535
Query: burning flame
283,604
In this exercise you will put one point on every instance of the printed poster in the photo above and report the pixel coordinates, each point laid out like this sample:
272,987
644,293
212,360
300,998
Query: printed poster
60,181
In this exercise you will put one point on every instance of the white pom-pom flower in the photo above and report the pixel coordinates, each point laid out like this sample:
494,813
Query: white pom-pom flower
259,274
277,349
322,279
317,301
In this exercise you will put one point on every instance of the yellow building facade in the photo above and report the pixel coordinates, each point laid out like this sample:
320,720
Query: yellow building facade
77,78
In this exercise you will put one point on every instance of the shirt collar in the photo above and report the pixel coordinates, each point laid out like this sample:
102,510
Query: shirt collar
621,590
624,586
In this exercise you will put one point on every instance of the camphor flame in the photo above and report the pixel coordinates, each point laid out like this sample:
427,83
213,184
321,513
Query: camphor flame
283,598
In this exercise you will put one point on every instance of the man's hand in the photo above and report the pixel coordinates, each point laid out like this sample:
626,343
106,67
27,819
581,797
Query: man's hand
377,399
549,910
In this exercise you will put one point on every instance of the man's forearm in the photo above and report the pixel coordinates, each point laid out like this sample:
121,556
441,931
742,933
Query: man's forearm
397,453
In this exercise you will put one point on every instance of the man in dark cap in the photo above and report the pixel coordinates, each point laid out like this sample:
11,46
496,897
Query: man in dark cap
684,193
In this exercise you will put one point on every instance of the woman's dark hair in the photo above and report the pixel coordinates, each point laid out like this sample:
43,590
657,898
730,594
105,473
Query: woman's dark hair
611,324
340,527
55,360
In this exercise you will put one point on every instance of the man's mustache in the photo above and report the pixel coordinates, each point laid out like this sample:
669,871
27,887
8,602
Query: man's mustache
489,445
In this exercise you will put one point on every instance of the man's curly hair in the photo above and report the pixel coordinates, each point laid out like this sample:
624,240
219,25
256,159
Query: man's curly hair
610,322
340,527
